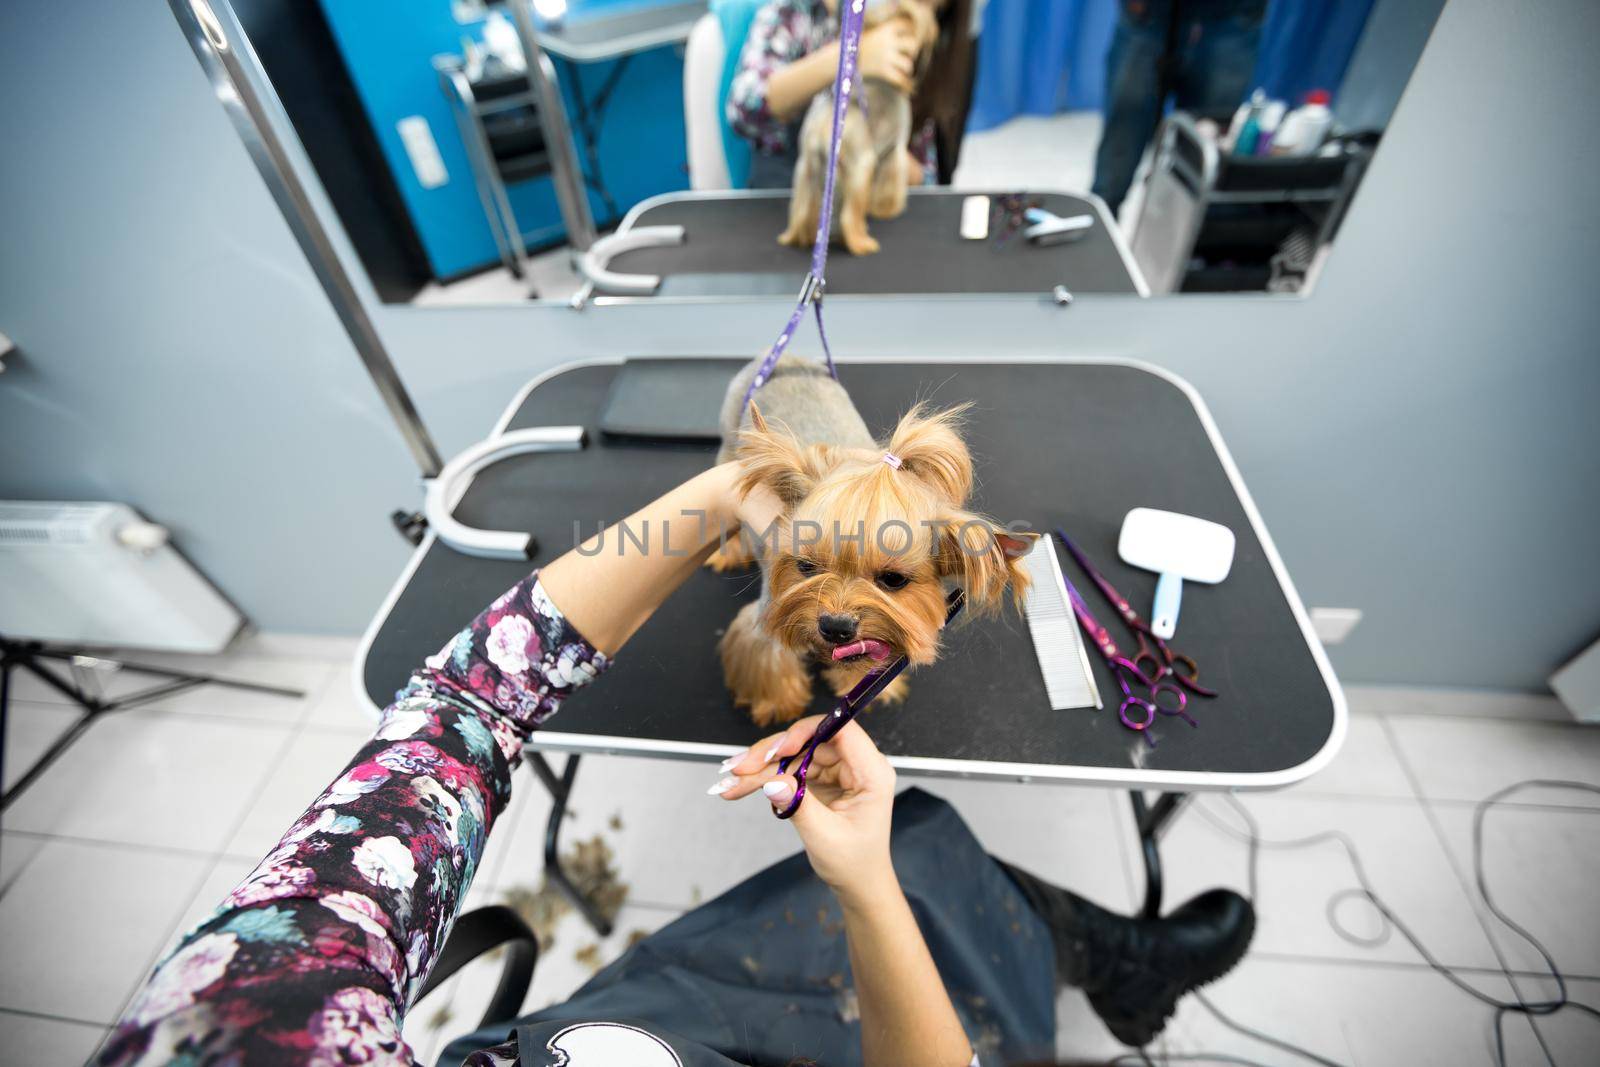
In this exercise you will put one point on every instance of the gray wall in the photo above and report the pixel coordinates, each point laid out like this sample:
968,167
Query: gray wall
1421,435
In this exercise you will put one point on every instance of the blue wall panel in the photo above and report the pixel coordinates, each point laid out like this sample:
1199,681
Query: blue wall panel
388,49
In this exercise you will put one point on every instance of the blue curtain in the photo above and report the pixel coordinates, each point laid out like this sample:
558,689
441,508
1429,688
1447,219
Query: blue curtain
1306,45
1039,57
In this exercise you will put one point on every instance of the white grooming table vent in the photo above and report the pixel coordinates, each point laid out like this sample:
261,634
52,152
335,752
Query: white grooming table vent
99,574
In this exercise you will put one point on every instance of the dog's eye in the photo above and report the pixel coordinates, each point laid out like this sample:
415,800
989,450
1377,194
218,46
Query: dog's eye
805,566
893,580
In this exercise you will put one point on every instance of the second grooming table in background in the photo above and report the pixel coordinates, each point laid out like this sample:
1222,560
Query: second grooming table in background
1074,444
731,250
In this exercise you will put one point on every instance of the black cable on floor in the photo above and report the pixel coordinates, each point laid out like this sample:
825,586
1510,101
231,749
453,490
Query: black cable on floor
1251,836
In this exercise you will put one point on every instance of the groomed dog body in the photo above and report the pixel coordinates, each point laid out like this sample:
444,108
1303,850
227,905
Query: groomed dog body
856,571
872,176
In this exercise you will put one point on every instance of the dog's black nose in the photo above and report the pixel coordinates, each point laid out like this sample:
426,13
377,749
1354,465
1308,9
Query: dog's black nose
836,629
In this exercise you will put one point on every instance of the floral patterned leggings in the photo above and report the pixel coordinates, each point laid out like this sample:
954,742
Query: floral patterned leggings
314,957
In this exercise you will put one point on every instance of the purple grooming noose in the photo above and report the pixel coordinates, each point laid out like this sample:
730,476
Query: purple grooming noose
851,14
849,705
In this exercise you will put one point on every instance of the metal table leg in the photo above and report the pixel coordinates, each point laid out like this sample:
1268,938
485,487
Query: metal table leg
590,115
560,791
502,220
33,657
1150,820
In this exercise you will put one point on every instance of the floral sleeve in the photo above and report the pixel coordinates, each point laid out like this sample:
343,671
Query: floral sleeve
314,958
782,32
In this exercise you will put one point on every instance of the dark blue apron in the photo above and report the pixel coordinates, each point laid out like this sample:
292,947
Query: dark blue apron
760,976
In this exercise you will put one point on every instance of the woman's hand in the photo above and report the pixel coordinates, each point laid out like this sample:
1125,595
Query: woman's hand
906,1014
915,175
755,510
845,816
889,53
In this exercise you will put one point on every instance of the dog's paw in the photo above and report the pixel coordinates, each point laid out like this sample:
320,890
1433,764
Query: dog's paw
893,693
793,239
843,679
888,207
863,245
732,555
767,713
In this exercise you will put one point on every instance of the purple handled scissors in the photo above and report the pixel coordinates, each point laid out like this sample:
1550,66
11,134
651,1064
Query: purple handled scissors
849,705
1128,673
1153,658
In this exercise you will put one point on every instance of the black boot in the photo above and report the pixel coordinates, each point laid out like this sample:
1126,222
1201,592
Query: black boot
1134,970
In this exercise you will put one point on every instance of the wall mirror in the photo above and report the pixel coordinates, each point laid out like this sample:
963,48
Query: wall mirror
649,148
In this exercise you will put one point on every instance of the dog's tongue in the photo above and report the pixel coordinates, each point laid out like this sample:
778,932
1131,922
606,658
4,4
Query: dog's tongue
876,650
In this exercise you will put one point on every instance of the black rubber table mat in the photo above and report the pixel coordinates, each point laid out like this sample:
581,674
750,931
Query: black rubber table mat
1070,444
732,250
668,398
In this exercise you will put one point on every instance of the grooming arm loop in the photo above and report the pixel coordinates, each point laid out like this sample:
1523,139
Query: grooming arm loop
445,490
593,264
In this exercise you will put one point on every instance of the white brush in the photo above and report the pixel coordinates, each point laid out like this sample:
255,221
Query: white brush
1068,679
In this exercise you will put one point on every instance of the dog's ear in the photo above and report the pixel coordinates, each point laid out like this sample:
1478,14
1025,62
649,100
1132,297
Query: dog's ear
774,458
983,558
929,446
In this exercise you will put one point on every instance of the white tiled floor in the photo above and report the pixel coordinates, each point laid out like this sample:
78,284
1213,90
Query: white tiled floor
157,812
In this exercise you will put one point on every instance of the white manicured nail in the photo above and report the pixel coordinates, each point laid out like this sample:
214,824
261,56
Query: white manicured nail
722,787
778,791
727,764
773,751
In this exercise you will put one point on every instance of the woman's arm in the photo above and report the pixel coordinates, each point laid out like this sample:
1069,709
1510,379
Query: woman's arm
779,37
906,1014
844,823
888,52
316,955
779,71
608,586
791,87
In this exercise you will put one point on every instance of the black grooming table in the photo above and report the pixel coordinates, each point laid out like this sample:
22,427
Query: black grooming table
1075,444
731,249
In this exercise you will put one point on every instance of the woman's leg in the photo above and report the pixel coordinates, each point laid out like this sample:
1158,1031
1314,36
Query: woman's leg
762,973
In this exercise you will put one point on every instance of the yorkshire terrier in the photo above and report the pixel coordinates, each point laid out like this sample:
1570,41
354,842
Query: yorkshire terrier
872,536
872,176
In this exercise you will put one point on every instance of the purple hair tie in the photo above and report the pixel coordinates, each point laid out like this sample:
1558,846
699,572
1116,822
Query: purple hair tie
893,460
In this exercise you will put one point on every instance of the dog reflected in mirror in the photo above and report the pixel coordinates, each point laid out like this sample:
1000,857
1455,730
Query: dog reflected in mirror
872,536
873,165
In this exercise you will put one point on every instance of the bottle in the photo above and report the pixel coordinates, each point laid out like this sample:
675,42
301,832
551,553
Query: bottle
1250,132
1231,135
1269,123
1305,128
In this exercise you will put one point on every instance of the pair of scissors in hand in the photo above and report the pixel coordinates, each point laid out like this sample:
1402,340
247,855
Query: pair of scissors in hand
848,707
1136,712
1153,658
